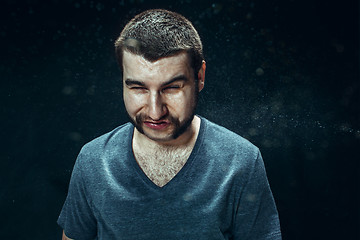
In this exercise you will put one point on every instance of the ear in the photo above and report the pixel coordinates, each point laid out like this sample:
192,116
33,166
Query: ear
201,76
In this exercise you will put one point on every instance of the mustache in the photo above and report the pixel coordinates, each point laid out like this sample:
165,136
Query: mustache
178,127
142,118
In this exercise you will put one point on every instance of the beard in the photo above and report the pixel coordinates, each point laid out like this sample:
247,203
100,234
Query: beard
178,127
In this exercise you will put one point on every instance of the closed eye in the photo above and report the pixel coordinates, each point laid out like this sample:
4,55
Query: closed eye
137,87
173,87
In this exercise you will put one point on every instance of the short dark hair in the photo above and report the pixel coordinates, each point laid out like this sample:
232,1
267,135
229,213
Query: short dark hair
158,33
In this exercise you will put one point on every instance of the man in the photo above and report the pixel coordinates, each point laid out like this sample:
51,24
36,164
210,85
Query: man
170,174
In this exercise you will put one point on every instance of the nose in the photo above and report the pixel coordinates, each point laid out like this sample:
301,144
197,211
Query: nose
156,106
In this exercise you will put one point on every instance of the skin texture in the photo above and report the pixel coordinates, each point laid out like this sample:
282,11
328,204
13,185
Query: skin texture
160,97
64,237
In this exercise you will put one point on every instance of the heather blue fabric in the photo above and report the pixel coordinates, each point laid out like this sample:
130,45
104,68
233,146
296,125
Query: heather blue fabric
222,192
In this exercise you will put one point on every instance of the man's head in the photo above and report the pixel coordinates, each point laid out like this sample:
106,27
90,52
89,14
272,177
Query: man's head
160,54
159,33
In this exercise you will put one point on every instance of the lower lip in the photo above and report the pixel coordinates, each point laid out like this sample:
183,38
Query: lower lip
156,126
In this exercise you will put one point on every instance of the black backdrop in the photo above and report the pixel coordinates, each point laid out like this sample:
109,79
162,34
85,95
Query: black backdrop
282,73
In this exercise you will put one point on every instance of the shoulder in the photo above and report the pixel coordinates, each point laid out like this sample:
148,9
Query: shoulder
225,138
113,137
97,155
117,139
228,158
227,145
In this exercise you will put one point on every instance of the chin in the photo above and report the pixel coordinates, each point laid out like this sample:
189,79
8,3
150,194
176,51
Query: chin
159,136
160,139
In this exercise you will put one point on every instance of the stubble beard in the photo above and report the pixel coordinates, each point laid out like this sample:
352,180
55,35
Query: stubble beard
179,128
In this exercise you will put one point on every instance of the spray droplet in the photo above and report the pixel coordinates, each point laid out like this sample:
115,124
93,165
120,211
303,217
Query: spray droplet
259,71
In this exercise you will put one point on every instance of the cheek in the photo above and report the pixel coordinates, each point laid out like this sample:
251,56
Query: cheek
182,103
175,100
133,103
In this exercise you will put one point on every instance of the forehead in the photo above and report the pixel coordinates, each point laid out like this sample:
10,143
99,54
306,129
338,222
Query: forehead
138,68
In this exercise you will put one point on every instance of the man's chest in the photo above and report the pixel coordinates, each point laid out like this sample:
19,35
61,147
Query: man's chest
163,213
162,166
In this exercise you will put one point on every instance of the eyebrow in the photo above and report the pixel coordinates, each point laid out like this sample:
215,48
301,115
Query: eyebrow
130,82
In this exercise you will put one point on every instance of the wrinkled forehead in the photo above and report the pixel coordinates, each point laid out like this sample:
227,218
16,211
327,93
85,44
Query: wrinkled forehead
130,52
139,68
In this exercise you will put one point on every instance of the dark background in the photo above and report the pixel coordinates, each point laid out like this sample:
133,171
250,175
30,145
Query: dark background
282,73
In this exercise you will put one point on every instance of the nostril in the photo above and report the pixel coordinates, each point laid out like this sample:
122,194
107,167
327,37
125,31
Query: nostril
156,112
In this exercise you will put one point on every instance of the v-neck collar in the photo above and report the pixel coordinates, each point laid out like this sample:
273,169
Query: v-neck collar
179,178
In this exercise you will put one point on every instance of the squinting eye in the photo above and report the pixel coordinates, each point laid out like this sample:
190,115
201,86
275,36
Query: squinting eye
138,88
172,87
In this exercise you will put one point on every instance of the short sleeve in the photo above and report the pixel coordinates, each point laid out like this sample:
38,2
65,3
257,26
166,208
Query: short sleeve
76,217
256,216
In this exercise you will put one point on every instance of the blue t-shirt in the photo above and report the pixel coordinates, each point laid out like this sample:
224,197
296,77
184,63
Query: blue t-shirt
222,192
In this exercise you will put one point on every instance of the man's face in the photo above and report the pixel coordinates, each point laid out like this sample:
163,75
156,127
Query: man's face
160,97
